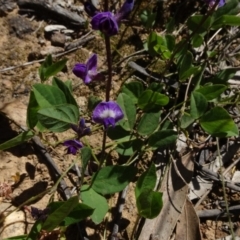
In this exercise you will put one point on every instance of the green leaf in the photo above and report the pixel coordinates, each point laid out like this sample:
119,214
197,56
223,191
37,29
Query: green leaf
196,80
223,76
47,63
156,87
170,25
152,41
57,216
79,213
198,105
22,137
93,101
48,68
169,41
186,120
211,92
149,203
219,123
133,90
128,148
181,49
162,139
148,18
162,45
226,20
86,155
32,110
35,231
65,89
150,100
186,68
230,8
162,51
146,181
195,24
47,96
112,179
129,110
148,123
197,40
58,118
118,133
22,237
96,201
55,68
191,71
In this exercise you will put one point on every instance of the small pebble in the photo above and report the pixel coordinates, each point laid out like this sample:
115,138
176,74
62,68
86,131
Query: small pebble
58,39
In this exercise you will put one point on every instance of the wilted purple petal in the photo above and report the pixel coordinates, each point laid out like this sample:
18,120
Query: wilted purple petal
80,70
107,113
73,146
126,8
39,214
106,23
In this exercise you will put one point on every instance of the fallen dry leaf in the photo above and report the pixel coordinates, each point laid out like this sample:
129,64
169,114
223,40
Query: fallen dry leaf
174,197
188,224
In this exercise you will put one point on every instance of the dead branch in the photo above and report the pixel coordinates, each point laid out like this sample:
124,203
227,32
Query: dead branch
54,11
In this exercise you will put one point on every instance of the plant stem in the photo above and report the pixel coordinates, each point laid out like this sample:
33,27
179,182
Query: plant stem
106,5
109,62
103,148
224,191
108,85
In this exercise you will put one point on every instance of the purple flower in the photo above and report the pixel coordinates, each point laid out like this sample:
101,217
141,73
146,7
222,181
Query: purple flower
107,22
73,146
87,72
107,113
212,2
81,129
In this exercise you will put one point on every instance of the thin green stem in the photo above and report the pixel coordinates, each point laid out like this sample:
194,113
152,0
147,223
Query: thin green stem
224,191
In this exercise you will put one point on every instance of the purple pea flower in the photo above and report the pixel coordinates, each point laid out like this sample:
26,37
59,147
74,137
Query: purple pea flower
73,146
212,2
81,129
107,22
107,113
87,72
